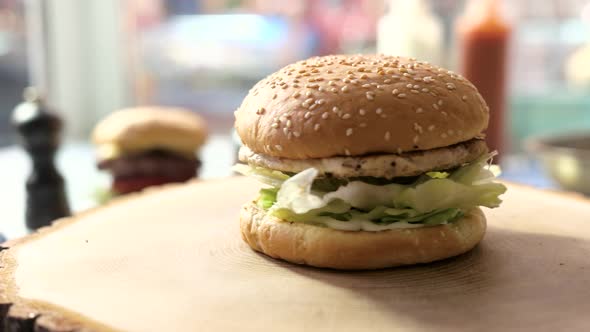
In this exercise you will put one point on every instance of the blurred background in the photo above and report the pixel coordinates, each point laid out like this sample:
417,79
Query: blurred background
92,57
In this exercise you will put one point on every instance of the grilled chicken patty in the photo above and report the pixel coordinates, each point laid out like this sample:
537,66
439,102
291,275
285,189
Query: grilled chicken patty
378,165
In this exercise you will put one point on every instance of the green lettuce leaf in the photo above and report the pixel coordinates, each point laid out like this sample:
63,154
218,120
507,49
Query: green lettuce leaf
268,196
264,175
431,199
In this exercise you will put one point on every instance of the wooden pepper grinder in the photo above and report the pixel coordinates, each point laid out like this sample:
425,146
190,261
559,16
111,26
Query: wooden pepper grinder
40,129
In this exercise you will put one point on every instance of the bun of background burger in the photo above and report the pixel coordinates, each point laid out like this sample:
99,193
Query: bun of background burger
147,146
338,109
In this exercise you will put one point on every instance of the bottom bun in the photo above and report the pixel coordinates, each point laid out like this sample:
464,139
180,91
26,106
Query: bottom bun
325,247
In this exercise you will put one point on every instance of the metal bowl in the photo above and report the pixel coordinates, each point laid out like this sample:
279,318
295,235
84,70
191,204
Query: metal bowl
566,158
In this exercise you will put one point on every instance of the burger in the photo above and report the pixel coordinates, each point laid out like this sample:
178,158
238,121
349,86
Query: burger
369,161
148,146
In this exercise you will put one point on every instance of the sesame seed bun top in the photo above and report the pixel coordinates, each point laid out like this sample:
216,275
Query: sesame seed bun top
144,128
355,105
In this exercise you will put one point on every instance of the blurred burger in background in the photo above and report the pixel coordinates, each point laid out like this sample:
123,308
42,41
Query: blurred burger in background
149,146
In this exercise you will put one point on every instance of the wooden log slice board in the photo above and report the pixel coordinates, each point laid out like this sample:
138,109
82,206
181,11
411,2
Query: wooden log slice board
172,260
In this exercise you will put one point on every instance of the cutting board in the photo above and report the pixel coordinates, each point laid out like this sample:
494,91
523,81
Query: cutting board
172,260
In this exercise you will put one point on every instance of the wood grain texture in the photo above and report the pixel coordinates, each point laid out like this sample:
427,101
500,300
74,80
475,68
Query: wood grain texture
173,260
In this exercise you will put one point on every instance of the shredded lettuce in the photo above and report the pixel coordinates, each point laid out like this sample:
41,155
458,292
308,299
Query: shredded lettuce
264,175
432,199
268,196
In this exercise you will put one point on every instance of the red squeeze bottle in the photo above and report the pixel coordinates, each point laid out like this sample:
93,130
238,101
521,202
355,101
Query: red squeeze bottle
483,37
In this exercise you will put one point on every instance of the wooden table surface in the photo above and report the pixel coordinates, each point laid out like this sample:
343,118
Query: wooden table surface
173,260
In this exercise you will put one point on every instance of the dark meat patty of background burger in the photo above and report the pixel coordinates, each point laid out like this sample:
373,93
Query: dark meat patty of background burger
135,172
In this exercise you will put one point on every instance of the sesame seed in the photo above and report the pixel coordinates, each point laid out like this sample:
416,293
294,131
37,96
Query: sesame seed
379,111
370,95
296,95
346,80
444,113
450,86
387,136
406,75
443,135
431,128
419,110
308,94
418,128
414,91
349,132
335,109
278,147
362,124
274,96
366,85
334,90
296,134
401,95
399,151
331,83
274,125
427,79
325,115
440,102
347,152
387,81
464,98
320,88
451,132
425,90
383,116
440,75
316,127
289,124
362,112
364,76
308,101
395,91
395,77
409,86
307,115
320,101
416,138
416,86
344,88
435,106
312,107
285,131
346,116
